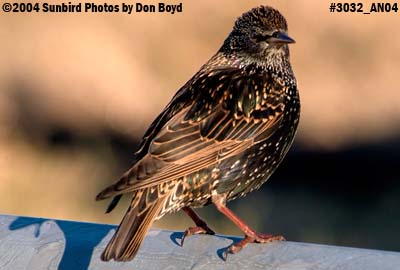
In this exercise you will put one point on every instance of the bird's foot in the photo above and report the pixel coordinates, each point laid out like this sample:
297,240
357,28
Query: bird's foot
201,225
266,238
256,238
203,229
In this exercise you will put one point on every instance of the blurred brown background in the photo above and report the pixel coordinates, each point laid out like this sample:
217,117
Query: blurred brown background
77,92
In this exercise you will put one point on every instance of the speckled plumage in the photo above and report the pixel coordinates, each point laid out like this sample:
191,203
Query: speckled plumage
223,134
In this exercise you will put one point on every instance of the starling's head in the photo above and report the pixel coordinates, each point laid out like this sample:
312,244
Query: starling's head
261,35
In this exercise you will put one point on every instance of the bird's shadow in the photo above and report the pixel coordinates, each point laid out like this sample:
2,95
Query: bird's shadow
80,240
220,251
174,236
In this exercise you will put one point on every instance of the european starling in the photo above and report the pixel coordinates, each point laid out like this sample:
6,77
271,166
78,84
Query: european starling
221,136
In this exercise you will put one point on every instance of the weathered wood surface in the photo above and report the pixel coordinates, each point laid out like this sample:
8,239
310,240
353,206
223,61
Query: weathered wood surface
34,243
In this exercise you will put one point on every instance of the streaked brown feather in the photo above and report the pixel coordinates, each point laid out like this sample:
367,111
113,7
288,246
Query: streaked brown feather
144,208
202,136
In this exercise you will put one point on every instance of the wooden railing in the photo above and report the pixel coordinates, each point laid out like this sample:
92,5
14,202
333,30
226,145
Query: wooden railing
35,243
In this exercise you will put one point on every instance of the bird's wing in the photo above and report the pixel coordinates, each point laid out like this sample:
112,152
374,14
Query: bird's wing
233,110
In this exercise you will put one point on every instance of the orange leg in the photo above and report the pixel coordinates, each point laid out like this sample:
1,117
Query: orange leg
201,225
251,236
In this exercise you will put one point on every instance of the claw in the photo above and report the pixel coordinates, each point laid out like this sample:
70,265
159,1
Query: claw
185,234
225,255
201,225
196,230
232,249
259,238
266,238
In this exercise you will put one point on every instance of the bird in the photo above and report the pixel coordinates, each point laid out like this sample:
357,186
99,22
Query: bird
220,137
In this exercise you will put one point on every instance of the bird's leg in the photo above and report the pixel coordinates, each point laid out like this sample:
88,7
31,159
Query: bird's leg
251,236
201,225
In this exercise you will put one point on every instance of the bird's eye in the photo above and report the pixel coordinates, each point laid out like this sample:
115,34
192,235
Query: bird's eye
275,34
261,37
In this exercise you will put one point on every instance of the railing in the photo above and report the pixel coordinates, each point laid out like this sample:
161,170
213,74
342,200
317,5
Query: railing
35,243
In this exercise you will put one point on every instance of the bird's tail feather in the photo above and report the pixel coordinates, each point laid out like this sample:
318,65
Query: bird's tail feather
133,228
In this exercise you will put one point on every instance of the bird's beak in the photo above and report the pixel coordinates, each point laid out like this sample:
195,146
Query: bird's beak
281,38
